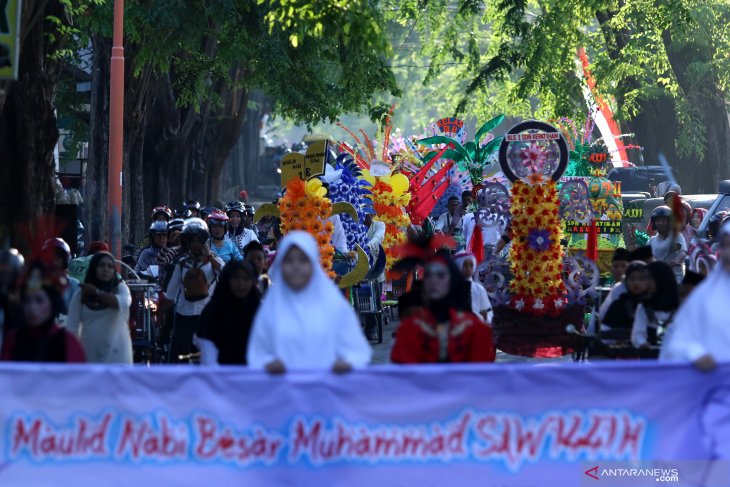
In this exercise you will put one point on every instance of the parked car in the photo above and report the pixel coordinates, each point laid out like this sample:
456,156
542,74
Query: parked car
721,203
638,179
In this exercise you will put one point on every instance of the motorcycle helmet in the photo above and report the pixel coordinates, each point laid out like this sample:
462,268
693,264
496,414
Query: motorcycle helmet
195,227
162,210
58,245
660,211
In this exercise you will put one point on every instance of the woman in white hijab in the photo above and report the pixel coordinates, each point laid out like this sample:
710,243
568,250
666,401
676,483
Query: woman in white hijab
480,304
700,331
304,321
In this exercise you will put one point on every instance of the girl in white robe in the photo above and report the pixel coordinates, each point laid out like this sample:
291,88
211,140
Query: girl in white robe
700,332
304,321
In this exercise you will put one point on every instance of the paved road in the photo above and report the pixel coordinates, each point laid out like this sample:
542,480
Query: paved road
381,352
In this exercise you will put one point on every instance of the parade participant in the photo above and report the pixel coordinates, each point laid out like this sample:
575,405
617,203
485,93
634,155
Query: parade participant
182,213
622,310
40,339
161,214
698,215
219,243
193,206
61,254
642,254
619,263
305,322
243,196
11,267
656,311
168,255
668,245
158,241
256,257
480,304
441,332
689,284
450,221
99,313
238,215
191,285
339,239
225,324
466,200
699,331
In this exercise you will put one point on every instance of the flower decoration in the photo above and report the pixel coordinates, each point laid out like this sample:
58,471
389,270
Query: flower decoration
539,239
474,156
536,255
389,203
351,188
533,157
305,206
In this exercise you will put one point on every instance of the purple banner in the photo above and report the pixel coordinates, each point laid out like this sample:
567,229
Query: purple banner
453,425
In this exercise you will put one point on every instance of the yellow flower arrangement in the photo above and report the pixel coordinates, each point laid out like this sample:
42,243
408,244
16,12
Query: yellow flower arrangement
305,206
390,209
536,255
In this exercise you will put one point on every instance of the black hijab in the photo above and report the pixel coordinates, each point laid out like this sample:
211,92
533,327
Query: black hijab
94,302
459,297
666,296
226,320
622,311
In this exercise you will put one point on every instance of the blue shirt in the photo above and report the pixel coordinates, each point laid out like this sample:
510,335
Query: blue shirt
228,252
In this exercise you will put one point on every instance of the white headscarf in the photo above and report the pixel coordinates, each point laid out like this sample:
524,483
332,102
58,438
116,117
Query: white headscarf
701,325
459,259
307,329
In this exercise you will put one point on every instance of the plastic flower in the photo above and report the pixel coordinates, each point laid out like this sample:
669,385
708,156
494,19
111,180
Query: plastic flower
533,156
539,239
314,188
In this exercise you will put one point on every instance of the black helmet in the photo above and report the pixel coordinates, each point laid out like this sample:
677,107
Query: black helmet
195,227
660,211
12,262
235,206
158,228
182,213
176,224
192,205
249,210
207,210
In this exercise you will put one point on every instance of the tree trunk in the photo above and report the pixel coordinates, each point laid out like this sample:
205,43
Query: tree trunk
655,127
704,96
28,132
97,168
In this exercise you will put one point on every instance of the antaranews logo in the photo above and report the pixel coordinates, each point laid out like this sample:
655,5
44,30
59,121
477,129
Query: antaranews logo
630,474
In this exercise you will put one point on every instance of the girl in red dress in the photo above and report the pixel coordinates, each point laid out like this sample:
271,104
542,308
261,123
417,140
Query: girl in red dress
445,330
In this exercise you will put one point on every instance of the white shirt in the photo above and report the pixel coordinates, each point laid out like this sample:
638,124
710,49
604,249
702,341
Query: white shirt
339,239
175,289
376,234
616,291
661,249
641,324
480,301
443,223
490,235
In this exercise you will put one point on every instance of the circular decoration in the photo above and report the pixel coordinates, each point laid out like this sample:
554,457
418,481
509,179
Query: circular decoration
581,276
575,205
494,275
533,151
494,204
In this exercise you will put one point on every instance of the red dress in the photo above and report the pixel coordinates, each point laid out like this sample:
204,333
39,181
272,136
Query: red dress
42,344
467,339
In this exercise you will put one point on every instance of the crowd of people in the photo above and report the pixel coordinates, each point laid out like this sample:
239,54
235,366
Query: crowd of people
245,295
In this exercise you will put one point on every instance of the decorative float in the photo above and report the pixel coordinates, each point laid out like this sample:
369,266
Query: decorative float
542,292
305,206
